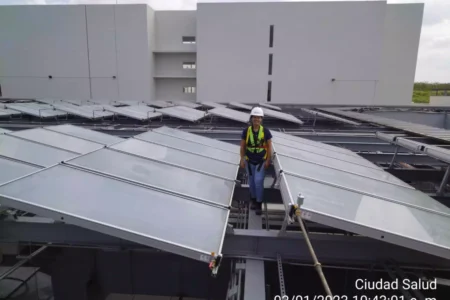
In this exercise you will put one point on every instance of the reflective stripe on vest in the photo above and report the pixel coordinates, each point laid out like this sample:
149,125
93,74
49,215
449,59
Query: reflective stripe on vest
253,147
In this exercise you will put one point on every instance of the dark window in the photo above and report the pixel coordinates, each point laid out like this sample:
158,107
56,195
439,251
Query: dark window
188,39
271,36
269,91
270,63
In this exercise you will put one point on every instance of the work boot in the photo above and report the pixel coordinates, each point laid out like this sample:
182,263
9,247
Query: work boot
252,203
258,209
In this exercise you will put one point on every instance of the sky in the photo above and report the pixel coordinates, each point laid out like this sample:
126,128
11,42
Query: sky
433,63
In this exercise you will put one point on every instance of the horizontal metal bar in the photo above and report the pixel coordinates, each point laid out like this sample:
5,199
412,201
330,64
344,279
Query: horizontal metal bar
332,249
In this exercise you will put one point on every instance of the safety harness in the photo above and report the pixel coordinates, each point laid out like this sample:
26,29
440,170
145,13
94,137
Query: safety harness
257,146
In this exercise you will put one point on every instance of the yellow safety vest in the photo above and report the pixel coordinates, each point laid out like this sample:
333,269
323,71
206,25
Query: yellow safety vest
260,144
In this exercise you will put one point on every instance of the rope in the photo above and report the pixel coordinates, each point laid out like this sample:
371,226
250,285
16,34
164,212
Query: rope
317,264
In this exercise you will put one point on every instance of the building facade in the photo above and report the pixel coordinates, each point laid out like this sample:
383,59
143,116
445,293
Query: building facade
355,53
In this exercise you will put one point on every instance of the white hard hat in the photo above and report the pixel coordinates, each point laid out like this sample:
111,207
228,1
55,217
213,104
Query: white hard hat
257,111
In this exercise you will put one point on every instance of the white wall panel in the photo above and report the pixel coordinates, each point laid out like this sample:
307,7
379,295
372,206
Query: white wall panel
172,89
171,26
33,87
43,40
102,40
313,43
104,89
151,47
134,65
171,64
402,27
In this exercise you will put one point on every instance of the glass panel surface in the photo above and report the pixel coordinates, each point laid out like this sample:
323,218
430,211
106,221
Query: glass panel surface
139,112
159,175
186,103
184,145
198,138
337,164
177,157
58,140
87,134
325,152
86,111
31,152
294,138
10,170
4,130
270,106
124,209
5,112
212,104
365,211
37,109
184,113
362,184
240,105
230,114
281,116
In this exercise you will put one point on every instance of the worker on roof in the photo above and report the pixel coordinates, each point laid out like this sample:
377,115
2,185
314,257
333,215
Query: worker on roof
256,151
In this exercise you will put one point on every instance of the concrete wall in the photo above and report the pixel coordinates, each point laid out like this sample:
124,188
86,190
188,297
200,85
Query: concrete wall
172,89
402,27
134,59
311,46
440,100
37,42
171,64
171,26
82,47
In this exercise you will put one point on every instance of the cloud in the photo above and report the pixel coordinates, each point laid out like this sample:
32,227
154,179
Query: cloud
434,49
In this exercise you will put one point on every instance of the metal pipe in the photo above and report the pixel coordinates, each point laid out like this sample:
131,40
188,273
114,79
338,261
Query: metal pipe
393,157
21,263
444,182
317,265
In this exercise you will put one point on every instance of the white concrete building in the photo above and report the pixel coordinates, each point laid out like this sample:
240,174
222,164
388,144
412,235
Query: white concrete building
361,53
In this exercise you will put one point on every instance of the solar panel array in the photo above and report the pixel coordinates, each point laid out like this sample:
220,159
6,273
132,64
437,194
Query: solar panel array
5,112
138,190
437,133
270,106
344,191
138,112
328,116
183,113
36,109
86,111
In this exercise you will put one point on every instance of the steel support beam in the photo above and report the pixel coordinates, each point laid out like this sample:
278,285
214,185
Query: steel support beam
254,287
332,249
